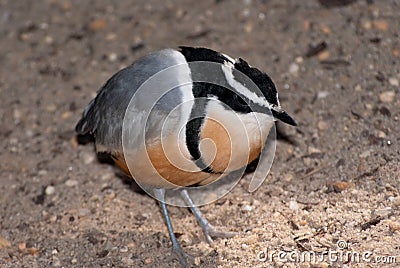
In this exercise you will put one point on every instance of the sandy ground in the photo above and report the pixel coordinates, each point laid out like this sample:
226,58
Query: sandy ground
335,181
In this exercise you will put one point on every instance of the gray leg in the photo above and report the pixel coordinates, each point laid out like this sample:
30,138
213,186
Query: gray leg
160,195
208,230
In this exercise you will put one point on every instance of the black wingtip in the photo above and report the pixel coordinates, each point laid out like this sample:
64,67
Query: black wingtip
81,127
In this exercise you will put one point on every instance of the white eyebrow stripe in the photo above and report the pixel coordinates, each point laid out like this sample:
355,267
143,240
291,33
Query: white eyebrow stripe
277,100
240,88
232,60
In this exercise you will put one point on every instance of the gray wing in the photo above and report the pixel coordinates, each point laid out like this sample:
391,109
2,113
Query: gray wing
103,117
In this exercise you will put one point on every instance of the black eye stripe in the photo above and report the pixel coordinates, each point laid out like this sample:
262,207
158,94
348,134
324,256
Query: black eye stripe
241,101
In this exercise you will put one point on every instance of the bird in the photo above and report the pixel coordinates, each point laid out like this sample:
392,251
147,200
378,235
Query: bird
183,117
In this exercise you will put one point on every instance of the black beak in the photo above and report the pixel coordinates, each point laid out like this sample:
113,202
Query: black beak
284,117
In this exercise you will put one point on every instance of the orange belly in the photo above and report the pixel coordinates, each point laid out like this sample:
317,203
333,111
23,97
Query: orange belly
187,176
214,131
165,169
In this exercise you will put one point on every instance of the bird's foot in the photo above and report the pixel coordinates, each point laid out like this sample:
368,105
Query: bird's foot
211,232
182,256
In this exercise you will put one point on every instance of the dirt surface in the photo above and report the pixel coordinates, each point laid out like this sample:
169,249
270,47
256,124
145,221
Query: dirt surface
335,180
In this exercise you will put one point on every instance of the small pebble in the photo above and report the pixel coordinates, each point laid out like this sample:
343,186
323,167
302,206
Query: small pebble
73,141
32,251
48,40
248,28
197,261
129,260
71,183
340,186
186,239
42,172
124,249
66,5
107,176
365,154
396,201
382,213
299,59
56,261
65,115
293,205
387,96
22,246
97,25
110,197
321,265
245,246
50,190
326,29
381,134
256,202
111,37
88,158
83,212
74,260
322,125
394,81
248,208
367,24
381,25
4,243
43,26
148,261
322,94
54,251
362,167
288,177
313,150
324,55
17,114
13,141
51,107
53,218
394,226
94,198
294,68
112,57
29,133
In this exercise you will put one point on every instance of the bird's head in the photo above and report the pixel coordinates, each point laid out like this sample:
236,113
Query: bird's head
259,96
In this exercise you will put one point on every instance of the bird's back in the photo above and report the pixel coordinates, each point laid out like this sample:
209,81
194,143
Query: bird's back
103,117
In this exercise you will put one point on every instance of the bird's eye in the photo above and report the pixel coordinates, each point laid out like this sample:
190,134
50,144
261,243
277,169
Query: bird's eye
239,100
